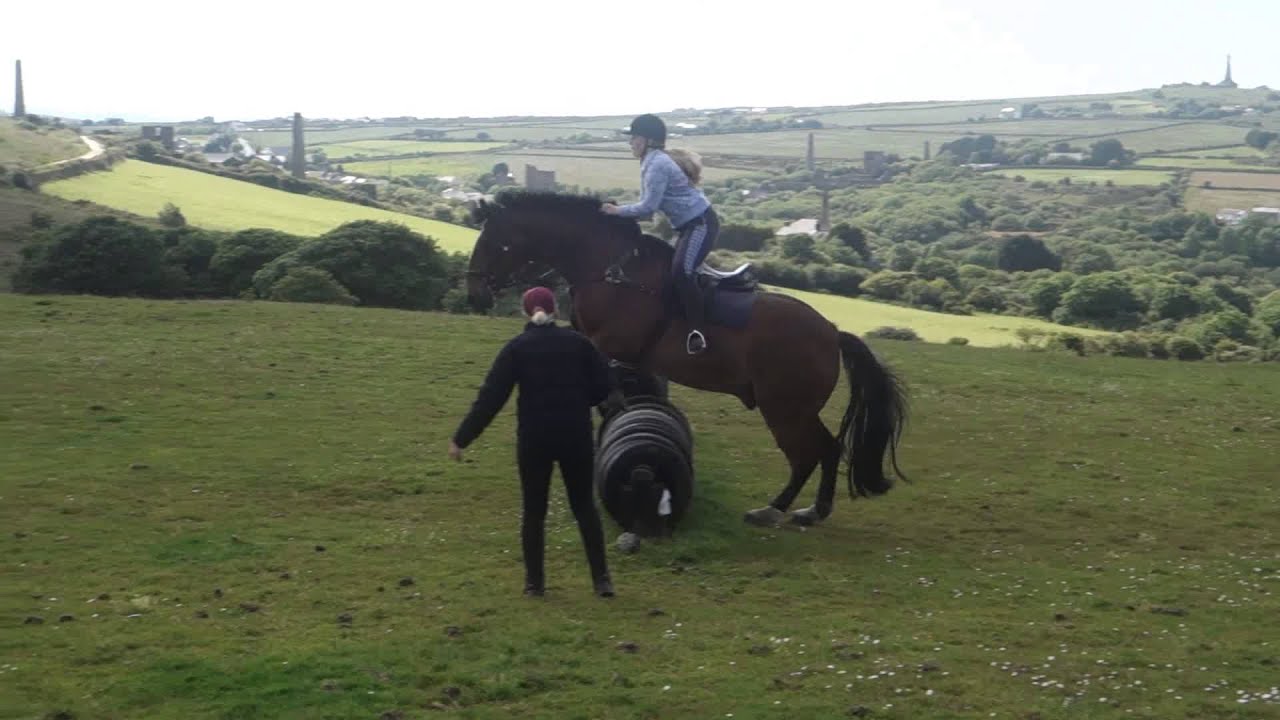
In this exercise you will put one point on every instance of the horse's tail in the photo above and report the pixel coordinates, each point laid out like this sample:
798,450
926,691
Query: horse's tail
874,420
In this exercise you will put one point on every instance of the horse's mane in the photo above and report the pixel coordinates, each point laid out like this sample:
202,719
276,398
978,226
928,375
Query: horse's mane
583,209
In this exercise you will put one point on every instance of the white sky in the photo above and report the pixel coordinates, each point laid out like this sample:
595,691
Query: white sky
432,58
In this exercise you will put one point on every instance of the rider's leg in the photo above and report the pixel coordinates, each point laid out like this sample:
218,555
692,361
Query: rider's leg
691,250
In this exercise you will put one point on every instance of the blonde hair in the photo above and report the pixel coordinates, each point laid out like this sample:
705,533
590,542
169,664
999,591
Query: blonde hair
540,317
690,162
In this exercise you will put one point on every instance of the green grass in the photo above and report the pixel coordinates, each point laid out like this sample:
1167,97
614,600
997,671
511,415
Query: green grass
403,147
225,204
166,461
284,137
1088,175
591,170
1243,151
1047,128
1201,199
1181,137
21,148
1195,163
982,330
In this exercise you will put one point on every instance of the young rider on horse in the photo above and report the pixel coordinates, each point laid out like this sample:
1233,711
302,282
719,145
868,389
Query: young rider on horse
670,187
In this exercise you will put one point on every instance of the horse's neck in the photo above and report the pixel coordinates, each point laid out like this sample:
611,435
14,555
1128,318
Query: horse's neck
578,254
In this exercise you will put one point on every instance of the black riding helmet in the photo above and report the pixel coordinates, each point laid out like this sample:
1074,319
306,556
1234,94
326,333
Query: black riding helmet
649,126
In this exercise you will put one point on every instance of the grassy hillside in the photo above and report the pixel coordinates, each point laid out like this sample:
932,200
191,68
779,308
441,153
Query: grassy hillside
1083,538
225,204
1088,175
983,330
22,148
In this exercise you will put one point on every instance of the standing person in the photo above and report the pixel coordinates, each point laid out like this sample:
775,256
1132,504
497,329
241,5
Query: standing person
562,376
669,183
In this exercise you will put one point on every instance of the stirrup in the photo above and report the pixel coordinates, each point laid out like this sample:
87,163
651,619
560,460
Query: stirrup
694,347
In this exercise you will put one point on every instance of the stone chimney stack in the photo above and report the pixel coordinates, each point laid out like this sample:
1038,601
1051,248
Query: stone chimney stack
298,158
19,103
926,150
824,220
809,159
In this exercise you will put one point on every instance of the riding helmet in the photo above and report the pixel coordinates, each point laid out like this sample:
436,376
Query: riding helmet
648,126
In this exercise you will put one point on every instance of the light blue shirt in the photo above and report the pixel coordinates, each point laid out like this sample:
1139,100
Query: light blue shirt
665,188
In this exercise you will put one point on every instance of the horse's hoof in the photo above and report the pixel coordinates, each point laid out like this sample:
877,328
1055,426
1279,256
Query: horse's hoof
764,517
628,542
807,517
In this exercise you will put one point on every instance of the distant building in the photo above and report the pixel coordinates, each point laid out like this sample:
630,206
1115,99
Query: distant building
539,180
874,162
1054,157
1231,216
163,133
1011,113
1270,213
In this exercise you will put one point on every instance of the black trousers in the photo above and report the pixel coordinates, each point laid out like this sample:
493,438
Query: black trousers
536,458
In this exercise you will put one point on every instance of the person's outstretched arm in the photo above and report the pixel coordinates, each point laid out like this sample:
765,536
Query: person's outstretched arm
653,186
492,396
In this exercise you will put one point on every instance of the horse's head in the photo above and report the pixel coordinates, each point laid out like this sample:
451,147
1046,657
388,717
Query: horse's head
504,252
524,232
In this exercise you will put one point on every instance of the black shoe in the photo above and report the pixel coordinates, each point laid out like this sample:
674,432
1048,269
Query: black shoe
531,590
696,343
604,588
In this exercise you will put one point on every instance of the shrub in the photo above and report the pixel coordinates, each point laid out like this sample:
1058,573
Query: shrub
1127,345
306,284
171,216
1184,348
958,341
893,333
242,254
102,255
839,279
783,273
888,284
383,264
986,299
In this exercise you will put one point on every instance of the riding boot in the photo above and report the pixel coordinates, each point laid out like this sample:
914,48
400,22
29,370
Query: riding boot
691,298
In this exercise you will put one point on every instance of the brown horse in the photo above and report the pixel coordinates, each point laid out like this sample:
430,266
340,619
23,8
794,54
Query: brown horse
777,353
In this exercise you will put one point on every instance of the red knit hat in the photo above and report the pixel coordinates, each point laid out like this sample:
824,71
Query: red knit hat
539,297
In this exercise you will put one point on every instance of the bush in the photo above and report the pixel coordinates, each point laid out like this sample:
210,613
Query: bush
986,299
1184,348
1069,341
1023,253
839,279
242,254
783,274
893,333
171,216
1127,345
888,284
306,284
102,255
958,341
1105,298
1007,223
743,237
383,264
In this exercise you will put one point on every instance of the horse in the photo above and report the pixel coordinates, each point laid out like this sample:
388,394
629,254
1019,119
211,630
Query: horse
770,350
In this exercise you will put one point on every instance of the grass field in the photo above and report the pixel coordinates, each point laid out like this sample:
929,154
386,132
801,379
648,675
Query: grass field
1181,137
1047,128
225,204
1201,199
403,147
1247,181
1082,538
1088,175
1194,163
1237,151
21,148
982,330
583,168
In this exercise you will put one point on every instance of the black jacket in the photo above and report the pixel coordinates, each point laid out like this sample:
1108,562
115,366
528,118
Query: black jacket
561,375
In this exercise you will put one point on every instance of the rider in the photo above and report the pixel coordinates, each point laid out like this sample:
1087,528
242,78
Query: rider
673,190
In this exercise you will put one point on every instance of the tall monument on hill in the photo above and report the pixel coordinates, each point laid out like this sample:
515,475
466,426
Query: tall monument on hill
298,156
809,156
1227,82
19,103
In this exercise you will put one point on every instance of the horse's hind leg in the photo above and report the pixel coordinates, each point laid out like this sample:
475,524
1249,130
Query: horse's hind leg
821,510
804,443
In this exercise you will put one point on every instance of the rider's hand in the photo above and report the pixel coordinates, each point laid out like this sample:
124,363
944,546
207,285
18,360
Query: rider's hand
455,452
609,208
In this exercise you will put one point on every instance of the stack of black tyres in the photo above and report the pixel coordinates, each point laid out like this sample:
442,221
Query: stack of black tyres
643,449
